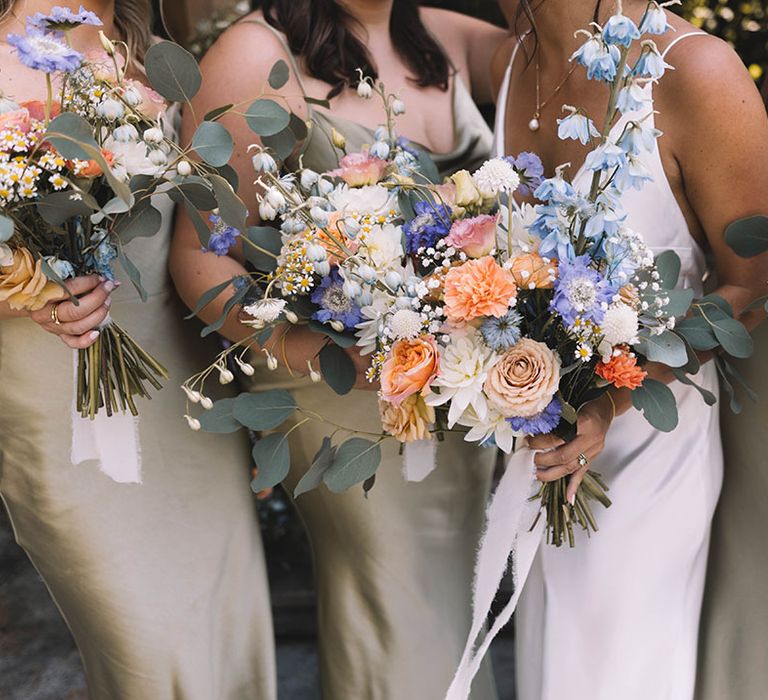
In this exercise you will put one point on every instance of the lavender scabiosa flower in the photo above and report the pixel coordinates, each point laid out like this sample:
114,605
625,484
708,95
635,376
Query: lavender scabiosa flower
581,292
62,18
432,222
223,236
540,424
334,304
44,52
530,169
502,333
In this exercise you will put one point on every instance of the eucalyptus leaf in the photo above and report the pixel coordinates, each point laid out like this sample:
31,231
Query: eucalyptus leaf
282,144
667,348
355,460
222,319
6,228
698,333
279,74
734,402
116,205
58,207
70,135
313,477
338,369
748,237
668,267
133,273
219,418
172,71
231,208
267,239
679,302
201,227
215,114
266,117
264,410
694,364
709,303
325,104
213,143
657,402
709,398
196,191
733,336
230,175
427,167
272,456
736,376
143,222
207,297
344,340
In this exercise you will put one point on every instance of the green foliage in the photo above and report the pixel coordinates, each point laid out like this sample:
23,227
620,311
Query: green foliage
172,71
219,419
338,369
667,348
657,402
356,460
272,456
748,237
279,75
266,117
320,464
263,410
213,143
142,221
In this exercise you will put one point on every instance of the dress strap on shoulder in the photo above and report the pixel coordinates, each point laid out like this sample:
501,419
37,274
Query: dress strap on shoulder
284,42
679,39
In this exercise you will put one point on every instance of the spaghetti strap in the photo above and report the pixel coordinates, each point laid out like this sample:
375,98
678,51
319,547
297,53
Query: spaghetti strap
503,98
281,38
680,38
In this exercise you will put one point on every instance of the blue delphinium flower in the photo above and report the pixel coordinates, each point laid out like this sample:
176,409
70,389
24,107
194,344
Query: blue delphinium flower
45,52
405,145
577,127
540,424
502,333
334,304
655,20
633,98
62,18
223,236
634,176
581,292
530,169
432,222
63,268
606,157
554,189
100,259
600,59
639,137
651,64
620,30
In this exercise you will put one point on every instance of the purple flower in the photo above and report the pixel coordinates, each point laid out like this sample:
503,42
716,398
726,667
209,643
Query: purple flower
223,236
581,292
45,52
541,424
405,145
432,222
62,18
530,169
334,304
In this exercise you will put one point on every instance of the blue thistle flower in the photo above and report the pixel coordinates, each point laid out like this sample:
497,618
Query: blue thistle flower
502,333
540,424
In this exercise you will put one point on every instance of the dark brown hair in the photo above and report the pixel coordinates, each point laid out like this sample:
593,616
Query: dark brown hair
320,32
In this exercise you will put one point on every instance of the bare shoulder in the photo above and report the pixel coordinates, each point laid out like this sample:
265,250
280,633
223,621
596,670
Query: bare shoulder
451,26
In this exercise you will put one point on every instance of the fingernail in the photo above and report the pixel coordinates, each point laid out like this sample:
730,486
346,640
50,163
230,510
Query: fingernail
109,285
93,335
108,302
572,499
102,278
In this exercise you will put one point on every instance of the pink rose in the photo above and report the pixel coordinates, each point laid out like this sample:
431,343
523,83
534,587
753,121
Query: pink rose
476,237
151,104
17,119
360,169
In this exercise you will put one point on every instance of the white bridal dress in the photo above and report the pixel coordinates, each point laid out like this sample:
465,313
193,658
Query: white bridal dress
617,617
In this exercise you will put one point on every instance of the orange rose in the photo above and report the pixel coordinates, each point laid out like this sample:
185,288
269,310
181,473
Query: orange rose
412,366
478,288
93,169
531,272
407,421
24,285
622,371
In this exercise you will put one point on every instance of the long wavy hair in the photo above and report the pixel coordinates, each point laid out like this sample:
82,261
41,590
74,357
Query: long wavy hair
133,20
321,33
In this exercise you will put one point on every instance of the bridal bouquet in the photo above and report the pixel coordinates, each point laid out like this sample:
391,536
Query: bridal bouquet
78,176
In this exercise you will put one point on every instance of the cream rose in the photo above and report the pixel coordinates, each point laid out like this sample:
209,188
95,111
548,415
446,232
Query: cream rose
23,283
409,420
524,380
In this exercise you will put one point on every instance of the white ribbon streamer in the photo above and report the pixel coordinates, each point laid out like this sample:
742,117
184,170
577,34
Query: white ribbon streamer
509,518
419,459
111,441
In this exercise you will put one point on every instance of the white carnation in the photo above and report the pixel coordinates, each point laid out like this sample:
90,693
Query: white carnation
494,176
620,325
382,247
371,199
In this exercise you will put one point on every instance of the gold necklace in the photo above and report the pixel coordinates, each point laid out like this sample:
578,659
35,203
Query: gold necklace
534,124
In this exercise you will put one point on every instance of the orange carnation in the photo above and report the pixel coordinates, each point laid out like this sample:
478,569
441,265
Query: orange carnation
93,169
531,272
622,371
478,288
412,366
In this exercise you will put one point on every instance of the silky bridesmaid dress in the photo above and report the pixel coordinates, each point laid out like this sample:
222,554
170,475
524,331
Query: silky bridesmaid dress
617,617
162,583
393,570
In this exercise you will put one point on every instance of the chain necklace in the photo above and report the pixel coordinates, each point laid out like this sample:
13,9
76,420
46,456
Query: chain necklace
534,124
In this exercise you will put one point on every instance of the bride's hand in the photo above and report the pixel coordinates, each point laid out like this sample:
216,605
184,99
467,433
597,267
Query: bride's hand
77,323
562,458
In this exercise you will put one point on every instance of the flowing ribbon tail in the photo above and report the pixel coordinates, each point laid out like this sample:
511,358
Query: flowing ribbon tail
111,441
508,533
419,459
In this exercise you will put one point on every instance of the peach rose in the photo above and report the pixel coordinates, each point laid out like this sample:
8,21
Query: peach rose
475,236
524,380
478,288
411,367
24,285
93,169
409,420
151,104
360,169
531,272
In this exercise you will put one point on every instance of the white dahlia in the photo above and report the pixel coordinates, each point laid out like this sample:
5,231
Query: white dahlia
494,176
620,325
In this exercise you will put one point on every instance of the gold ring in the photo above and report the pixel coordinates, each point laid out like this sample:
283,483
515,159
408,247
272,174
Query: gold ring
55,314
582,460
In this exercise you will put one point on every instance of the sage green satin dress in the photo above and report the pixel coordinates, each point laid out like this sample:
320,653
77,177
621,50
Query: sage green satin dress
393,571
734,624
163,584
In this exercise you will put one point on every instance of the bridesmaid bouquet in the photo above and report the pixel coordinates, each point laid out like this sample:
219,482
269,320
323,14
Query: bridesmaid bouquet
79,173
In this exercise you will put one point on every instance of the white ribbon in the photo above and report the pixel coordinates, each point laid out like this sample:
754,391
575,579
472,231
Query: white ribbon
419,459
508,533
111,441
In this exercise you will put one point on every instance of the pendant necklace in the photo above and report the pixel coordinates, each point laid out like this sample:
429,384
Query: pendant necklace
534,124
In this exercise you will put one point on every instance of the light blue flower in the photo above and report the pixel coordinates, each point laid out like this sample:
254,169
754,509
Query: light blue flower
62,18
554,189
655,20
651,64
102,256
638,137
577,127
633,98
557,244
600,59
45,52
620,30
380,149
605,219
63,268
580,292
542,423
502,333
606,157
634,176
